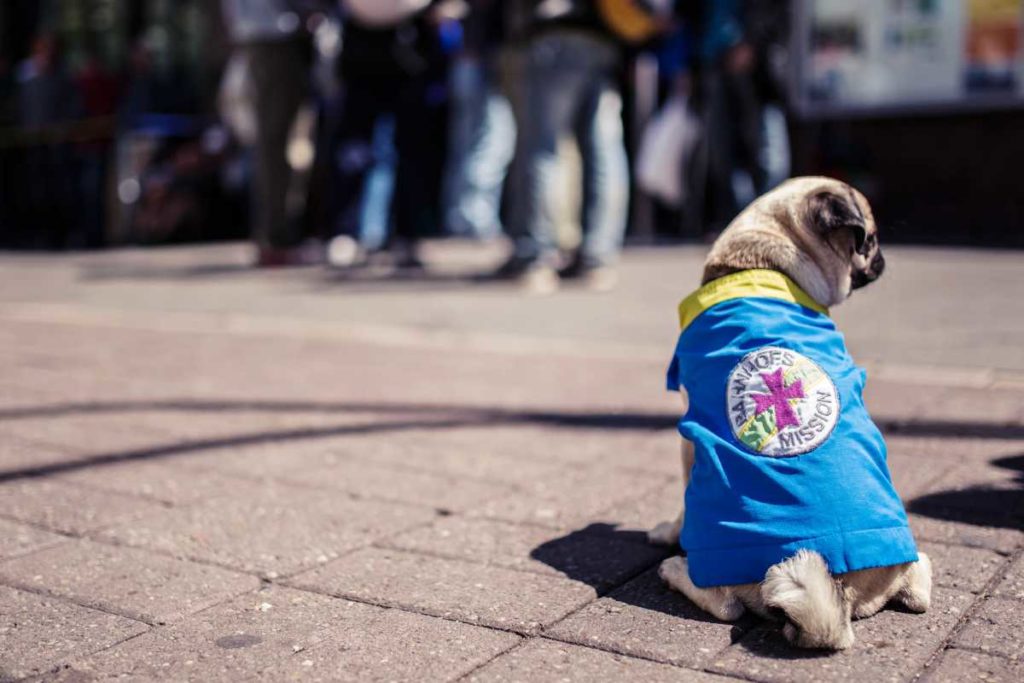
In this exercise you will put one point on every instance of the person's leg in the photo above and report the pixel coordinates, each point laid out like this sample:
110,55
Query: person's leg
774,156
720,141
481,147
420,123
554,88
605,175
747,176
352,157
379,189
279,72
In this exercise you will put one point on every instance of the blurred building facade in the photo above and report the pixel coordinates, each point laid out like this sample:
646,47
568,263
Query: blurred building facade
921,104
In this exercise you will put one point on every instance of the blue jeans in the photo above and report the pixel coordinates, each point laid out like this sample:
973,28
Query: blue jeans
571,89
481,142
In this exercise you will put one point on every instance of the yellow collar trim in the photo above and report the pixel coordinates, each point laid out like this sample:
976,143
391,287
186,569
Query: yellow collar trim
769,284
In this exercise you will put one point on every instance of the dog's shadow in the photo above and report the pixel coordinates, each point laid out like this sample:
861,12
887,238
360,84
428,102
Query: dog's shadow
1000,505
622,566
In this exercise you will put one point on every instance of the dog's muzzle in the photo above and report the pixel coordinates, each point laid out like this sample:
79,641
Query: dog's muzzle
874,270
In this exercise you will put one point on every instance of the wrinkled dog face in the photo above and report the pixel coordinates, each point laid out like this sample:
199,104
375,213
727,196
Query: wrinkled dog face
818,231
841,218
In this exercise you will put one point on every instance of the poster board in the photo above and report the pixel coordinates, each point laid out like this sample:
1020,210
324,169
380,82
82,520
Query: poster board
907,56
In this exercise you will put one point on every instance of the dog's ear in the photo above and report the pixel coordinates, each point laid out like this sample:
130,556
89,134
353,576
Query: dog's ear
829,212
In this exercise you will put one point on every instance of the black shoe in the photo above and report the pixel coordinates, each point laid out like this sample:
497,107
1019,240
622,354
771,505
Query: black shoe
512,269
596,278
406,256
575,270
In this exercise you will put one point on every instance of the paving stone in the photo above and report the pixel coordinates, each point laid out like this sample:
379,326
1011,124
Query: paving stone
211,420
646,619
389,483
85,434
943,447
163,481
133,583
476,593
39,632
571,501
964,665
468,462
523,441
278,634
1012,585
994,628
19,539
315,464
17,454
644,513
66,507
546,660
596,559
268,528
1001,540
913,475
965,569
888,400
984,406
891,645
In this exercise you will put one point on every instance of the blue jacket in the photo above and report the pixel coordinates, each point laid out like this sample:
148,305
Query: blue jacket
786,456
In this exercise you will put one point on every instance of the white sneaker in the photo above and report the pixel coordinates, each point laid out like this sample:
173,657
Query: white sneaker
343,252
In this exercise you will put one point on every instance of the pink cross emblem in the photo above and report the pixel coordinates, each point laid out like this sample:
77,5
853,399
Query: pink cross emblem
779,399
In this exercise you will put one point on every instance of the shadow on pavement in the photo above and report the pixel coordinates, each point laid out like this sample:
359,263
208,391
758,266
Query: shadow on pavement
952,428
429,417
190,272
583,555
980,505
622,566
251,439
593,420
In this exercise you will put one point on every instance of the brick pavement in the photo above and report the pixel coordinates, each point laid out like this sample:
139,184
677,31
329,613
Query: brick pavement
216,477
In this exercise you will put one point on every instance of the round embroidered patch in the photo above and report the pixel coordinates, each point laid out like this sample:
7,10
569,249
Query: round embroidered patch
780,402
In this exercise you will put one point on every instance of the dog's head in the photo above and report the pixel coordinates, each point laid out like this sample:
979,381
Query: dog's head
818,231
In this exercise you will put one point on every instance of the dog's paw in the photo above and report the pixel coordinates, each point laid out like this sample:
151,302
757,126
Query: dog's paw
674,572
916,596
666,533
730,609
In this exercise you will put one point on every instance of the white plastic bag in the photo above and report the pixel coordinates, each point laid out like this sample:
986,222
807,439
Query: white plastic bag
664,150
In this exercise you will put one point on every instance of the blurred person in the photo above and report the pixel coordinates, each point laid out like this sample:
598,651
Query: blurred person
46,94
393,68
742,85
97,86
271,35
46,97
482,129
767,29
571,88
7,91
98,90
152,89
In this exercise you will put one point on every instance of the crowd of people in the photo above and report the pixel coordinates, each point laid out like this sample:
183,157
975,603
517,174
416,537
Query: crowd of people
362,126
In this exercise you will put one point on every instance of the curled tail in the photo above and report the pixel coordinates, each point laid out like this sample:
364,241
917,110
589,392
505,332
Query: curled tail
814,602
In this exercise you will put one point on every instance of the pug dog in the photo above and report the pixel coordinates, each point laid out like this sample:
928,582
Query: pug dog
789,506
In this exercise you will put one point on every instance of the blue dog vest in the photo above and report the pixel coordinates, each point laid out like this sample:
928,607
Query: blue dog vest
786,456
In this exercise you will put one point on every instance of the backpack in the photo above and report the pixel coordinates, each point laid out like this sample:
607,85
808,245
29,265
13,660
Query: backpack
383,13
